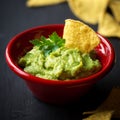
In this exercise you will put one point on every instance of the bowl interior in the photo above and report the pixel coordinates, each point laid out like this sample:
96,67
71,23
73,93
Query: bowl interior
20,44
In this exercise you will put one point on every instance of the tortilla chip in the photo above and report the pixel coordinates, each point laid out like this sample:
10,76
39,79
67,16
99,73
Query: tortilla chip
37,3
111,106
87,10
112,102
115,8
108,26
101,115
78,35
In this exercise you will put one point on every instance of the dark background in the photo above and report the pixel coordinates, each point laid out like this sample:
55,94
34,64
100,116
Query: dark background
16,101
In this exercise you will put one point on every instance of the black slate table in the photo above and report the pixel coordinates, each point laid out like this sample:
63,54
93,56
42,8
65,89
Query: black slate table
16,101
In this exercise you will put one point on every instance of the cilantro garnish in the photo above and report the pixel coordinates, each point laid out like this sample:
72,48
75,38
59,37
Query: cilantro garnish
47,45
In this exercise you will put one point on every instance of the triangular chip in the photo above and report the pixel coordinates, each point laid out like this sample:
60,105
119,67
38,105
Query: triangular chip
108,26
101,115
115,8
37,3
111,106
78,35
88,10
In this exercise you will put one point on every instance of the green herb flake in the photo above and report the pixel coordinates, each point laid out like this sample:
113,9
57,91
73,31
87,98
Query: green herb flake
47,45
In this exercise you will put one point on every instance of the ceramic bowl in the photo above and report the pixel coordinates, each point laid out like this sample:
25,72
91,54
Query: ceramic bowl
52,91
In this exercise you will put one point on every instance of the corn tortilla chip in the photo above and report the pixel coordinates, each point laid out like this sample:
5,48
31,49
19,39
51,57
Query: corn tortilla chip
78,35
108,26
101,115
37,3
110,106
115,8
112,102
88,10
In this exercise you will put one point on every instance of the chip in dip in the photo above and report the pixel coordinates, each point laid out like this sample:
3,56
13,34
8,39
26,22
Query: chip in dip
51,59
78,35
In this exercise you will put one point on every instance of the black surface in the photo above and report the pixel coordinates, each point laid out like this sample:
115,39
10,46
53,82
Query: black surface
16,101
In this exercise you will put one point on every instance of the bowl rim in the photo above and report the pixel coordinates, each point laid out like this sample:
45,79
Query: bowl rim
28,77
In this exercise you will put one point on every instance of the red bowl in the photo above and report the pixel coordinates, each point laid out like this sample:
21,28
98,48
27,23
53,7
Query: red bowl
51,91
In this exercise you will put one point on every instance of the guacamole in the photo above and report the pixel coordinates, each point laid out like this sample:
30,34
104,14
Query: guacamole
60,64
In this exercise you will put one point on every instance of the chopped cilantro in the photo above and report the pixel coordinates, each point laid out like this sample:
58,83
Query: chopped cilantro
47,45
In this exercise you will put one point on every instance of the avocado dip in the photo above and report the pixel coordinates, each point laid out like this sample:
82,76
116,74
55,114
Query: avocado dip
60,64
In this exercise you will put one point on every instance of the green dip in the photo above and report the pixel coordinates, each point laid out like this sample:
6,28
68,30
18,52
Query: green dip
61,64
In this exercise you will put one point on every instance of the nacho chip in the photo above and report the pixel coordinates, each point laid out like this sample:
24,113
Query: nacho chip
101,115
115,8
110,107
37,3
88,10
78,35
108,26
112,102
